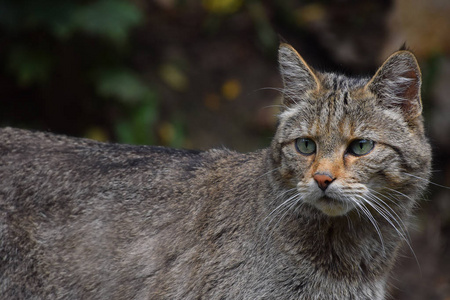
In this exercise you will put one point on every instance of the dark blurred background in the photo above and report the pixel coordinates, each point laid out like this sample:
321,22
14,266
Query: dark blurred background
197,74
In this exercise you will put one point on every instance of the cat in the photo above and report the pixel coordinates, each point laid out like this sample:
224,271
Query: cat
320,214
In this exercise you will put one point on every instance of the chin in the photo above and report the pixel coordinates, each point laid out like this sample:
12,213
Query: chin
332,207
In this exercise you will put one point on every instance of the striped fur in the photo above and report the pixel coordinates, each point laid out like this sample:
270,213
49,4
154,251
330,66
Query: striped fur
81,219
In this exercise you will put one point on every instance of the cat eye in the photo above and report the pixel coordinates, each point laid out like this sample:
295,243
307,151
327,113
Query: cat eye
305,146
360,147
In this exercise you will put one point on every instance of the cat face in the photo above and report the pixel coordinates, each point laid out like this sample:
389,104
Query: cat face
347,144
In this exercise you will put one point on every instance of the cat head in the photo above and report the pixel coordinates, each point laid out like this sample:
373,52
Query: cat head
351,143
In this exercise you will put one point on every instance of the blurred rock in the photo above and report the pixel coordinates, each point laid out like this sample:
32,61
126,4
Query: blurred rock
423,25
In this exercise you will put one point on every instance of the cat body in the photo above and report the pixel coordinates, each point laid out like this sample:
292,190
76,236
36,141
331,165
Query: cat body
317,215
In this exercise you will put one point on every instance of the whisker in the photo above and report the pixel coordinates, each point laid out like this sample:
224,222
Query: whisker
387,215
282,210
401,194
350,223
268,172
274,105
397,218
372,191
371,218
282,91
286,210
270,88
401,228
286,202
427,181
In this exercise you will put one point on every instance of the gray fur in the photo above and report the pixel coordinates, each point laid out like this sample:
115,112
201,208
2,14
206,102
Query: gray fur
81,219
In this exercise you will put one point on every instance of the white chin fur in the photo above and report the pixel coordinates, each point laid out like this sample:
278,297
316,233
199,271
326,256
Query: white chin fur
332,208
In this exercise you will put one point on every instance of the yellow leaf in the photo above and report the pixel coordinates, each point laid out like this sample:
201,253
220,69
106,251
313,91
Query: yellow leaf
231,89
97,133
212,101
166,132
222,6
310,13
174,77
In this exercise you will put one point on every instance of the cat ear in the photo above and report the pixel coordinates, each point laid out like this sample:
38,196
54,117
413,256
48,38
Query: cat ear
397,83
298,77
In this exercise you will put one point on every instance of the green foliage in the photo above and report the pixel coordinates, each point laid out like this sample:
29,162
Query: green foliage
139,102
266,34
178,138
430,72
112,19
221,10
29,66
67,24
137,126
121,84
86,45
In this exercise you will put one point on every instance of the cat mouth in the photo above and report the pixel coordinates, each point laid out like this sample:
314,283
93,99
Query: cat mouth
332,207
328,199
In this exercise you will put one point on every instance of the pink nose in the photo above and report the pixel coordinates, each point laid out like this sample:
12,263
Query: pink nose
323,180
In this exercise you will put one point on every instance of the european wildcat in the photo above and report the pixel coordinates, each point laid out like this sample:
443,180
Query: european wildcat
318,215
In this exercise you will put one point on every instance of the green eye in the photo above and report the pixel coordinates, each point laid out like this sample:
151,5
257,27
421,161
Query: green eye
361,147
305,146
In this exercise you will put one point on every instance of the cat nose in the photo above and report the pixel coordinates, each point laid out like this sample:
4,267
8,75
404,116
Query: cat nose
323,180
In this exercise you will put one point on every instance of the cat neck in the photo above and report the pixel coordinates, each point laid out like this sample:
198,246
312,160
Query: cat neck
350,246
337,247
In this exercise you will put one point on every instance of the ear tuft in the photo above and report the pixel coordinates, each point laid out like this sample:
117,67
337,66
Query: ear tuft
298,77
397,83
